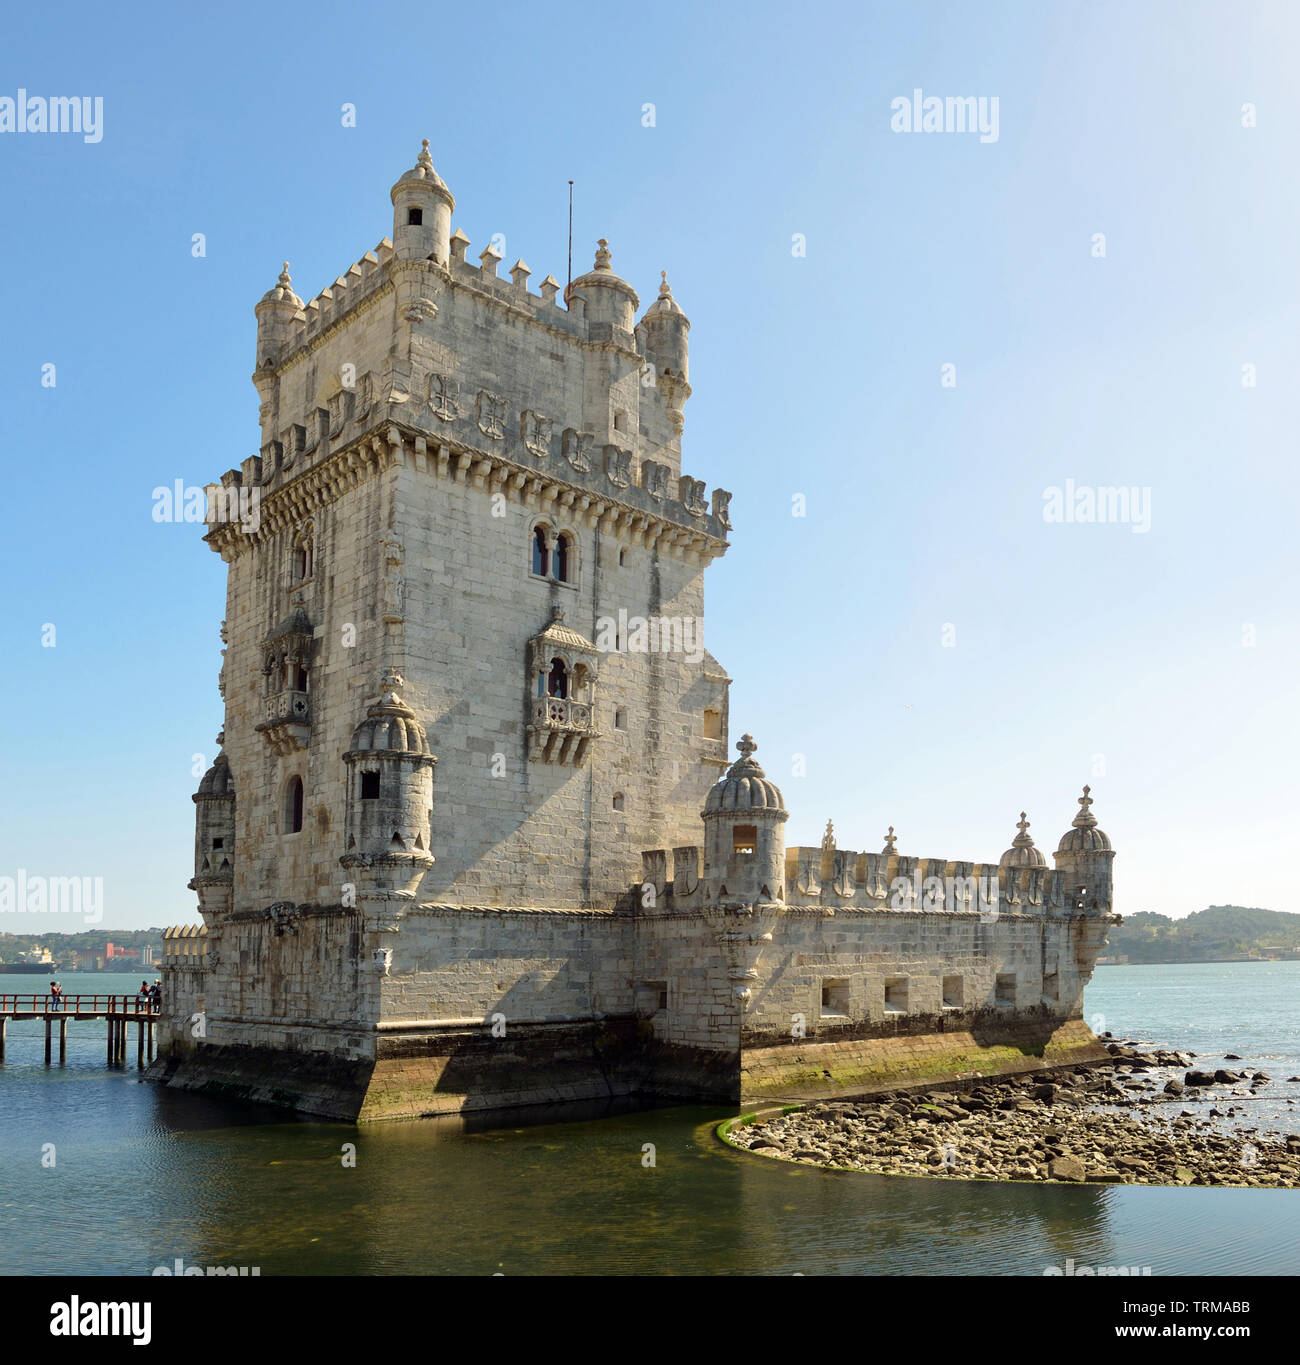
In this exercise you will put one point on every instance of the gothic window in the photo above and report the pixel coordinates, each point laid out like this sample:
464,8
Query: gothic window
562,547
744,837
557,683
293,806
300,682
541,555
618,801
622,558
620,719
414,217
370,786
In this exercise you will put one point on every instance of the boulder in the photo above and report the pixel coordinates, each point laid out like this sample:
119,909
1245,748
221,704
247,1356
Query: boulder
1173,1087
1199,1078
1066,1168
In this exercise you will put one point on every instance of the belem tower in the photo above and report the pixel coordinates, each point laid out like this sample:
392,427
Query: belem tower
474,838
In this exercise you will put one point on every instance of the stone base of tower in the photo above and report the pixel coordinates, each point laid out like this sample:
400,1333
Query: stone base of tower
462,1071
930,1051
306,1082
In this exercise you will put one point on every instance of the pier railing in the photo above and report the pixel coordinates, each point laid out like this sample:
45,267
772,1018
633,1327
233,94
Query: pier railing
97,1006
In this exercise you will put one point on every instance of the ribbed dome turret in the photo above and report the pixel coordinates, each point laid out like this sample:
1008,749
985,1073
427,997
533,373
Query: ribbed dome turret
1022,852
1083,836
745,786
390,725
424,174
217,780
282,292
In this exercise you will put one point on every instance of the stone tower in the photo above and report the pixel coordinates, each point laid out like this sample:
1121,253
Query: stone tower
469,716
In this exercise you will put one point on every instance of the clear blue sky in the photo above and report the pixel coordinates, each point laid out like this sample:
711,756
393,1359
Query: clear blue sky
816,375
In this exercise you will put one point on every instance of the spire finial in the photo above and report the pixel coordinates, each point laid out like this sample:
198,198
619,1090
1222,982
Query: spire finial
424,159
285,281
890,841
391,680
557,613
1023,839
746,745
828,839
665,290
1085,818
603,256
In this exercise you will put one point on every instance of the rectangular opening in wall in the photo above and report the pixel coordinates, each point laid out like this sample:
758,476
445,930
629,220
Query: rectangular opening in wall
896,995
712,723
744,838
370,786
953,995
651,997
835,999
1005,991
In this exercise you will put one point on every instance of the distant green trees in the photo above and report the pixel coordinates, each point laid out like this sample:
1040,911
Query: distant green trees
1213,934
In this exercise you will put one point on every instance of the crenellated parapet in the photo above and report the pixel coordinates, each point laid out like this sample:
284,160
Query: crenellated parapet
828,878
335,381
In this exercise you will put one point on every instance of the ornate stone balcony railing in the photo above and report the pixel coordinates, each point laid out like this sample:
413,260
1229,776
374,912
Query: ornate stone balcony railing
287,726
289,705
561,730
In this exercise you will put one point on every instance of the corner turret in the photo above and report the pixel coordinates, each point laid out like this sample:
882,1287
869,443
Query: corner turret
422,208
667,348
275,313
389,817
1085,856
744,843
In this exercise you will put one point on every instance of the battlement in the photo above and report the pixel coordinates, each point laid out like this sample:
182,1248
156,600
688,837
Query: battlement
185,945
359,281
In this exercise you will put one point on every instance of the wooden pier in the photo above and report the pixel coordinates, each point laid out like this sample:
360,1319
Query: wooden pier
119,1010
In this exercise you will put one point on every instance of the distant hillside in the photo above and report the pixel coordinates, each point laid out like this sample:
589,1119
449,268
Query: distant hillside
1219,933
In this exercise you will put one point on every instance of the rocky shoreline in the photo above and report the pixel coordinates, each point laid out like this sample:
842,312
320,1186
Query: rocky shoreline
1111,1124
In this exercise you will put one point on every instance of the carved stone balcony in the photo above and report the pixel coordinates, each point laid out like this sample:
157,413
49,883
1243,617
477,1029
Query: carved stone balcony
287,726
561,730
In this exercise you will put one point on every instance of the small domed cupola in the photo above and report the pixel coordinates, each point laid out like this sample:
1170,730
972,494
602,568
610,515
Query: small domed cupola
281,294
745,787
744,843
1084,836
608,298
390,725
1022,852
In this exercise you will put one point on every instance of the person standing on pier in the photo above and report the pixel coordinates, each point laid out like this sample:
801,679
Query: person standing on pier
56,996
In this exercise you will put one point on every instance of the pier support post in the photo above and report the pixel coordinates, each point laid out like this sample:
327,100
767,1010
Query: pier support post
63,1041
49,1037
4,1026
139,1042
108,1055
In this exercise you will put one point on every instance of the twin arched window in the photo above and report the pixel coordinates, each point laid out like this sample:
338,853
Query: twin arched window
553,555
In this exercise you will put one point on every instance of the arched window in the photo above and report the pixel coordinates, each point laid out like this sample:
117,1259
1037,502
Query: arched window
303,555
618,801
293,806
557,684
541,555
562,548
